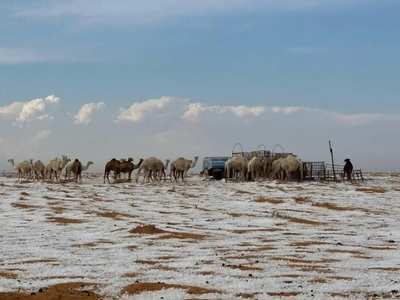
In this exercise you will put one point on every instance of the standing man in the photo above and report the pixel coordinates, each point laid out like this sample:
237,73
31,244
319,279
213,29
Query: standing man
348,168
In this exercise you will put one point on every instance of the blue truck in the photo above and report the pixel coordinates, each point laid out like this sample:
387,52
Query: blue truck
215,165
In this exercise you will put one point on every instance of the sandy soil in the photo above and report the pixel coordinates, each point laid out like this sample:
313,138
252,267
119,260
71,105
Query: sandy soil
200,240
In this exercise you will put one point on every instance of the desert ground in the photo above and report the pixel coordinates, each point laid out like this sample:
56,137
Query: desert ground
200,239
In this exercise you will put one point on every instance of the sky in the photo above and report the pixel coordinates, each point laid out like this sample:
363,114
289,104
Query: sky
95,80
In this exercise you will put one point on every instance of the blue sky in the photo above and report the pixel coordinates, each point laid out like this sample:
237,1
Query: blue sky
341,57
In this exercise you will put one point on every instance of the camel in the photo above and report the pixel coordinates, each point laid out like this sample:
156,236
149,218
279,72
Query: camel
56,165
127,166
23,168
151,164
68,168
278,173
112,165
124,165
238,165
163,172
38,168
289,165
266,166
180,167
76,169
254,167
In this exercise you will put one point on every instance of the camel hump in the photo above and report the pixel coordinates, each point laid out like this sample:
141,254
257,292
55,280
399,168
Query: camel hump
113,159
77,160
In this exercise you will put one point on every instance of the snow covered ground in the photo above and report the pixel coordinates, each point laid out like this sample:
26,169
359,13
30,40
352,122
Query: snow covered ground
204,239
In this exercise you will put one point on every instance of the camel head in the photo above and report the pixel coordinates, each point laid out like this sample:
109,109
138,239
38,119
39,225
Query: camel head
192,164
347,160
130,159
90,162
11,160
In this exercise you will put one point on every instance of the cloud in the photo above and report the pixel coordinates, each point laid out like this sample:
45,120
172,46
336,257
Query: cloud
52,99
195,110
150,109
362,119
85,114
14,55
11,111
148,12
38,138
32,110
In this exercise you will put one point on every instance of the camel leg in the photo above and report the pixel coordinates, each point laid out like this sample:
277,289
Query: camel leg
160,177
116,173
174,173
137,175
289,176
145,175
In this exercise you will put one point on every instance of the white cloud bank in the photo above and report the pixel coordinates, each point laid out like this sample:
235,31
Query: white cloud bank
169,127
30,110
85,114
149,109
36,109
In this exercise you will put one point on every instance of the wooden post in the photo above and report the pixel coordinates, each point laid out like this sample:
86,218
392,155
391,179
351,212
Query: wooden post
333,163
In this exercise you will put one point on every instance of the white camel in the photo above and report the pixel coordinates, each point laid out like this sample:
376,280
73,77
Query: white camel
254,168
151,164
56,165
69,166
38,168
276,170
158,177
290,165
266,166
23,168
237,165
180,167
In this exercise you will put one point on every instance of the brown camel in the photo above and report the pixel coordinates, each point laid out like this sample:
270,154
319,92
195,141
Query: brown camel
76,169
128,166
124,166
112,165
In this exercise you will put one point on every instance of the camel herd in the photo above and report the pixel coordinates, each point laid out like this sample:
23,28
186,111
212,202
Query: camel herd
239,168
153,168
54,167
